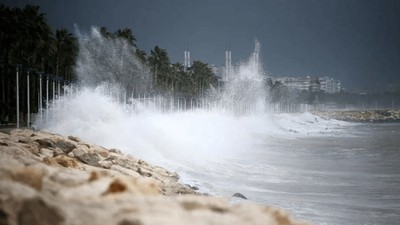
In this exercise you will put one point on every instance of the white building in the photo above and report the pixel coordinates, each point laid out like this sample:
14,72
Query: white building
299,83
330,85
325,84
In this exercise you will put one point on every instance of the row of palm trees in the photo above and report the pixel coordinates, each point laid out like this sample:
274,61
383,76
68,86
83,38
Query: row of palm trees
169,78
28,41
191,82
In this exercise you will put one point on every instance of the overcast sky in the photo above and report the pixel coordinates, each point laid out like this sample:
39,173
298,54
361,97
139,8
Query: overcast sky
356,41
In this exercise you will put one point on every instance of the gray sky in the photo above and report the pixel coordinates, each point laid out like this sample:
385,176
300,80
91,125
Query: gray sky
356,41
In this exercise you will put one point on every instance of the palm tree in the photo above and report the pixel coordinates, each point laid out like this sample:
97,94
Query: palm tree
127,35
203,76
36,34
142,56
65,52
104,32
160,66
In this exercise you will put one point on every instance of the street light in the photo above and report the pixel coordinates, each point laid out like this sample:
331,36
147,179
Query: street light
17,80
47,92
40,97
28,118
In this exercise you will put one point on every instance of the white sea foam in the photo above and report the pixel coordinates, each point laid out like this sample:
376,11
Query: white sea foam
107,65
182,136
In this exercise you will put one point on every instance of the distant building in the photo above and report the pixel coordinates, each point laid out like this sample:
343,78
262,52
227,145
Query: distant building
186,62
308,83
330,85
313,84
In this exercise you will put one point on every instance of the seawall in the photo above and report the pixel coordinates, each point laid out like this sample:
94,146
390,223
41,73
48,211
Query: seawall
392,115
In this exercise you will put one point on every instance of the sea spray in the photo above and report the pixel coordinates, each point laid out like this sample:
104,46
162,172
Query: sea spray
190,138
110,61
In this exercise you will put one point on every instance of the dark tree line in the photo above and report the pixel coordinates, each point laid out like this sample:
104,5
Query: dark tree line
27,40
169,78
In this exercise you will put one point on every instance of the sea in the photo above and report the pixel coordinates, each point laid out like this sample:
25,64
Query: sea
350,175
324,171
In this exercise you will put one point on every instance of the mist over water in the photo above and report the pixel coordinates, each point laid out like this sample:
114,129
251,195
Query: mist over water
298,161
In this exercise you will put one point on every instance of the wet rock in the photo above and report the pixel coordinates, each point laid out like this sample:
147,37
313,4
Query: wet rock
239,195
45,143
90,158
193,187
115,151
37,212
72,138
65,146
144,172
57,152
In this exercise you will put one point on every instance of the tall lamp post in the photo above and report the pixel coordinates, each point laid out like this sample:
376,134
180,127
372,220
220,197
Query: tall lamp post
17,89
40,97
47,92
28,104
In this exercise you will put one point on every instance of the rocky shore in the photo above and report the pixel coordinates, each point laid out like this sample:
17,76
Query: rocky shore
49,179
361,115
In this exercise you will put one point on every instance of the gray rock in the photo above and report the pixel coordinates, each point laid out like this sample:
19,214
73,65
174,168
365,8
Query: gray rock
90,159
115,151
239,195
58,152
65,146
72,138
47,143
78,152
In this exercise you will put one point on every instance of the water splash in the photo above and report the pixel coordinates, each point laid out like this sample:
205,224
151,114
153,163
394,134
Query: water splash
245,91
111,61
95,114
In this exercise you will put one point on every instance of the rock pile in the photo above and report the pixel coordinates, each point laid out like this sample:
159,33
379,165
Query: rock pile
362,115
50,179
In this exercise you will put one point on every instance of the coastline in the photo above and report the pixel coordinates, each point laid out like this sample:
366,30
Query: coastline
376,116
47,178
